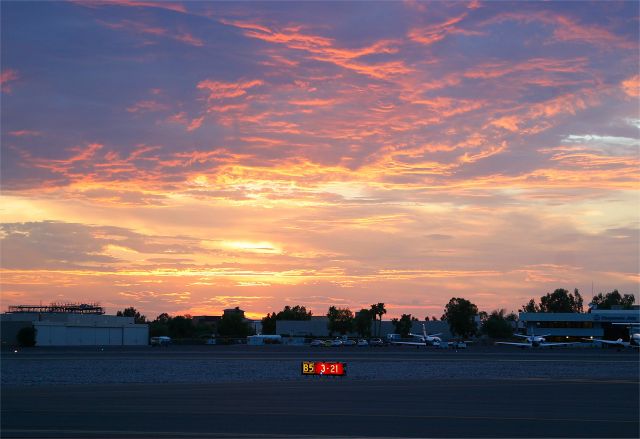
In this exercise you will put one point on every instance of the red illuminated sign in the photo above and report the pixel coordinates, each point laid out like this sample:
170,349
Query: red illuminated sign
328,368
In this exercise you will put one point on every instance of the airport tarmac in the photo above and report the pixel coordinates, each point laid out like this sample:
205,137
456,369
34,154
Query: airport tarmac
565,393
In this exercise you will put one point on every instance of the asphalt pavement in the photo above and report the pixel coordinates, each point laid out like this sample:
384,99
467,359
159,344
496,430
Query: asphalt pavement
561,401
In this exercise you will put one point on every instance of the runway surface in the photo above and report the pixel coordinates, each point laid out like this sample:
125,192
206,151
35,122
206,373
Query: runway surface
568,393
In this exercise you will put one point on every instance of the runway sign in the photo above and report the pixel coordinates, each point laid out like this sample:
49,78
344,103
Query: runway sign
324,368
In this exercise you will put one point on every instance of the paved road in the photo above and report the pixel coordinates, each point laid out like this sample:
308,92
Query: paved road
328,407
245,391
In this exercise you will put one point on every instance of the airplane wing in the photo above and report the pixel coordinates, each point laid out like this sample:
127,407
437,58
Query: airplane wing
542,345
514,344
410,343
616,342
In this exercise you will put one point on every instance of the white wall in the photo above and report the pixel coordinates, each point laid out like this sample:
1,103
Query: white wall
136,335
56,334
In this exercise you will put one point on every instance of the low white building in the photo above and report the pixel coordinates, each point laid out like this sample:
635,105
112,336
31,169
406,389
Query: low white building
69,329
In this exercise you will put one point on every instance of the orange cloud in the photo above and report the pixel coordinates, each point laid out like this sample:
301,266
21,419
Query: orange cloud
471,158
323,49
631,86
314,102
509,123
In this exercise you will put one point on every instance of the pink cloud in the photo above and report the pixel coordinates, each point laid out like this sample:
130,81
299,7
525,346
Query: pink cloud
447,107
175,7
180,118
195,123
499,69
189,39
6,77
147,106
226,90
226,108
416,5
25,133
567,29
146,29
430,34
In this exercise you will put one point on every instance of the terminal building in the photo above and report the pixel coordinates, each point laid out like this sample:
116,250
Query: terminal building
598,323
72,325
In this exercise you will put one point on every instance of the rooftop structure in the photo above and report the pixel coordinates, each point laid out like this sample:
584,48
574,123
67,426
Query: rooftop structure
67,308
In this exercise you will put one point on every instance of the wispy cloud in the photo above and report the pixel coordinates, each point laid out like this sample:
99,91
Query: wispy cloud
169,6
6,78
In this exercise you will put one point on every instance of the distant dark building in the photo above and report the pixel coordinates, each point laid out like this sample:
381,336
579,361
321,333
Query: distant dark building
213,321
235,310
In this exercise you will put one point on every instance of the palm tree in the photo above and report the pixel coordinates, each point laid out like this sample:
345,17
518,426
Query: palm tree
374,315
378,309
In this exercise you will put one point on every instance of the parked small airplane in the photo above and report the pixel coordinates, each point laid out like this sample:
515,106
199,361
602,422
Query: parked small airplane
618,342
422,340
634,337
534,341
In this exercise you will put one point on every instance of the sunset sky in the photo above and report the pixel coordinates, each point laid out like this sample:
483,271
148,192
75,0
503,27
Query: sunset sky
190,157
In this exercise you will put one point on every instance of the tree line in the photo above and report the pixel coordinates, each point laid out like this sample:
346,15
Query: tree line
463,317
229,325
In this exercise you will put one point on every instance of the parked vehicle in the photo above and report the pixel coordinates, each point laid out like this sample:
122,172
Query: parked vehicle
316,343
160,341
337,342
376,342
363,343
